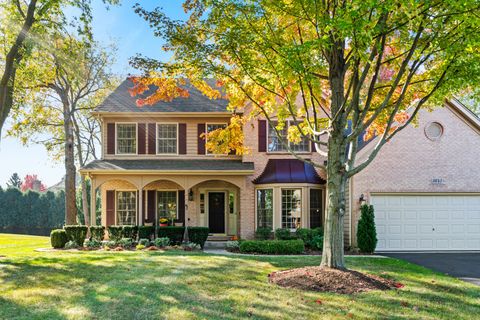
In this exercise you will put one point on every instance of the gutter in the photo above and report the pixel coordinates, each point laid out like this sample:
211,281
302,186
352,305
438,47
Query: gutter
168,172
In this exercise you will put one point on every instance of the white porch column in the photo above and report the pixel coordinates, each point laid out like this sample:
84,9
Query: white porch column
140,208
185,234
93,202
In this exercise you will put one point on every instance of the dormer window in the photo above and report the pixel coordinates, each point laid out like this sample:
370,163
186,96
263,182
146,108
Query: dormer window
167,142
126,138
278,144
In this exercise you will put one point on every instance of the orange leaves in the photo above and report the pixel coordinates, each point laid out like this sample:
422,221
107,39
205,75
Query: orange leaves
379,126
163,89
227,140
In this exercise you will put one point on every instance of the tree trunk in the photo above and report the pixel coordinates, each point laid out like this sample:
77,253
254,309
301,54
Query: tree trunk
333,247
13,58
70,170
85,206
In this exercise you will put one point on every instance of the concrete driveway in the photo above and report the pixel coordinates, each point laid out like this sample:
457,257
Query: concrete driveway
465,266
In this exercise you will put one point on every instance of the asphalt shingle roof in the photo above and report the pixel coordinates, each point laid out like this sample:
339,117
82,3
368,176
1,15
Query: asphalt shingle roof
170,165
121,101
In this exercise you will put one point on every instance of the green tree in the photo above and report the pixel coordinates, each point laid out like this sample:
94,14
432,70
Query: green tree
77,75
324,64
24,24
366,231
14,181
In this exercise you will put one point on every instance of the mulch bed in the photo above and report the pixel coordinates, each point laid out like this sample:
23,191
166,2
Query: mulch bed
330,280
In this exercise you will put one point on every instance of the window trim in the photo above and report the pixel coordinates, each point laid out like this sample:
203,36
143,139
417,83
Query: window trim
285,151
157,135
136,204
156,201
207,153
274,205
301,206
116,139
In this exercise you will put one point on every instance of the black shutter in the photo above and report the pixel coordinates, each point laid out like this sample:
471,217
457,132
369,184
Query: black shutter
201,140
262,135
181,206
111,138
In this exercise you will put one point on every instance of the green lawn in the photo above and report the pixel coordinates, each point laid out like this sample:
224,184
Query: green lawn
179,285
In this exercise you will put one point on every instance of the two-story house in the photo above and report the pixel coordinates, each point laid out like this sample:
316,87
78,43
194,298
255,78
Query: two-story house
154,164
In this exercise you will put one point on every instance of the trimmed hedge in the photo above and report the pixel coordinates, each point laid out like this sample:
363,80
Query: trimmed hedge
310,237
175,234
263,233
76,233
283,234
97,232
198,235
115,233
146,232
58,238
272,246
130,232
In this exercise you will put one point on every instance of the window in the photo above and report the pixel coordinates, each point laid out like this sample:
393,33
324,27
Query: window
231,202
167,204
265,208
212,127
434,131
126,208
278,144
167,138
291,208
127,138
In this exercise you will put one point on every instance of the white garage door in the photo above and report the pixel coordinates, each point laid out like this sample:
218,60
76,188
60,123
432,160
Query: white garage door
427,222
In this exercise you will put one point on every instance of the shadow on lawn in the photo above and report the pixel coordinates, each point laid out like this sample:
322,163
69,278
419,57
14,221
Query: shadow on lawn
193,285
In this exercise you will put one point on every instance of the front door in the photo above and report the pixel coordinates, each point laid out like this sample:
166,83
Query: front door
216,212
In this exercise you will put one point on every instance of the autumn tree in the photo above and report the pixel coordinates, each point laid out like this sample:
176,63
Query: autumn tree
14,181
23,25
328,65
58,105
31,182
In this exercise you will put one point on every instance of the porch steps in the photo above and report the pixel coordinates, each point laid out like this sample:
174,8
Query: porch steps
215,245
219,238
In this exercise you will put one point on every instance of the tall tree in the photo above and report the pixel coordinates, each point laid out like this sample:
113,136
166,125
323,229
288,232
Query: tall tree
31,182
325,64
14,181
22,23
58,105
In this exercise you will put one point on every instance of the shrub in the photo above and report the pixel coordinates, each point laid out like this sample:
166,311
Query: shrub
366,231
161,242
58,238
97,232
125,242
76,233
273,246
146,232
140,247
317,243
233,245
130,232
92,244
198,235
115,233
110,244
175,234
307,235
144,242
71,245
263,233
283,234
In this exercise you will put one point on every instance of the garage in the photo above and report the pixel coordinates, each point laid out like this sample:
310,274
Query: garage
415,222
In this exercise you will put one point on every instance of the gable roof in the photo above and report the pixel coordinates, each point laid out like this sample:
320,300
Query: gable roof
120,101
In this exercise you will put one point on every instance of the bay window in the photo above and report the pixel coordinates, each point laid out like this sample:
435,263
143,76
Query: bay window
291,208
265,208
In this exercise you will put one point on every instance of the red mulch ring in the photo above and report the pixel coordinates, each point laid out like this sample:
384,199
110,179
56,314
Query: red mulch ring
330,280
152,248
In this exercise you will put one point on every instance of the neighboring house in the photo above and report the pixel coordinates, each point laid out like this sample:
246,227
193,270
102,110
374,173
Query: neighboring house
424,184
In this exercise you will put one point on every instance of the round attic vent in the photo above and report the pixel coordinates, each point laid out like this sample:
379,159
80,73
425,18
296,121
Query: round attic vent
434,131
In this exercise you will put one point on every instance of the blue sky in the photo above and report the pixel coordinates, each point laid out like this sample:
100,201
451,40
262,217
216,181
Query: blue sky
118,24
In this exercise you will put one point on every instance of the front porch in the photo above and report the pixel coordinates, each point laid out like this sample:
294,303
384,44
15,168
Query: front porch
212,202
